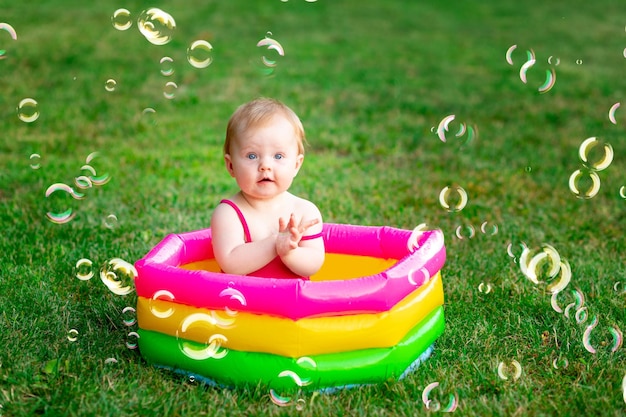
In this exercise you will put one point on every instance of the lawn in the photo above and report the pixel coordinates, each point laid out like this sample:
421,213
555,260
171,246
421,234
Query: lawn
375,83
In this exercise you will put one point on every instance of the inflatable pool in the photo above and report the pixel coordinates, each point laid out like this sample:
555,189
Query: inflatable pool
371,313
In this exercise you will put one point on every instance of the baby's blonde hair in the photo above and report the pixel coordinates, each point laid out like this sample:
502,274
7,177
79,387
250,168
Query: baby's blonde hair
257,112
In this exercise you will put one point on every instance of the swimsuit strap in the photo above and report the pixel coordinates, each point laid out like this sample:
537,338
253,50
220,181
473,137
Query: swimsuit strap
246,230
315,236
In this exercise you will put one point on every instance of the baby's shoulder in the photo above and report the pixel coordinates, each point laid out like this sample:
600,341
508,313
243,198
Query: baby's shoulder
226,208
306,207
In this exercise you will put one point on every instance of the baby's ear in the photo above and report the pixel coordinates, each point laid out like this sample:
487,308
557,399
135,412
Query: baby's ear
299,161
229,164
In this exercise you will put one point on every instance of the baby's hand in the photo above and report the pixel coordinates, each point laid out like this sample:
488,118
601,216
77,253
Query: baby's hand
290,233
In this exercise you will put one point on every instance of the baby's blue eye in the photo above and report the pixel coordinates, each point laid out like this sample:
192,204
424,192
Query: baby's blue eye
251,156
278,156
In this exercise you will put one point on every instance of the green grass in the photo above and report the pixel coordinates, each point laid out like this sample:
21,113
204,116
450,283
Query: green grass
369,80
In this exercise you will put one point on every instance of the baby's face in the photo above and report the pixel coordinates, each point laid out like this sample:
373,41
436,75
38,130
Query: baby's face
265,159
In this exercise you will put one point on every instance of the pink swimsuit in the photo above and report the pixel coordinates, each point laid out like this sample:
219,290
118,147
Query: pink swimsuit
276,268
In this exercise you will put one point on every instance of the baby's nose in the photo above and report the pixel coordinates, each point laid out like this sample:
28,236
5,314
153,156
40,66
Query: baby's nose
264,164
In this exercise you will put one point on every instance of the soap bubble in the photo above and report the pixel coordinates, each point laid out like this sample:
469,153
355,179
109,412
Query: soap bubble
110,84
612,111
297,379
515,250
453,198
28,110
91,157
132,340
61,217
489,228
164,295
580,311
279,400
511,370
545,266
35,161
57,197
584,183
212,348
552,60
9,29
83,182
5,27
433,404
169,91
485,288
110,221
129,315
416,234
200,54
455,133
156,25
92,176
118,276
581,315
465,231
84,269
616,336
539,262
562,279
167,66
307,364
550,81
121,19
595,154
300,402
72,335
509,54
530,62
577,297
587,336
274,50
417,277
148,113
560,363
89,172
233,300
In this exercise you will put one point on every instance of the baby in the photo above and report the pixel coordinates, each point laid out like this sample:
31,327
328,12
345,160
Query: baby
264,230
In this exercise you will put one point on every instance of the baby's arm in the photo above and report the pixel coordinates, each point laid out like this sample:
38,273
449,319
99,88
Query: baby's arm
303,257
232,253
